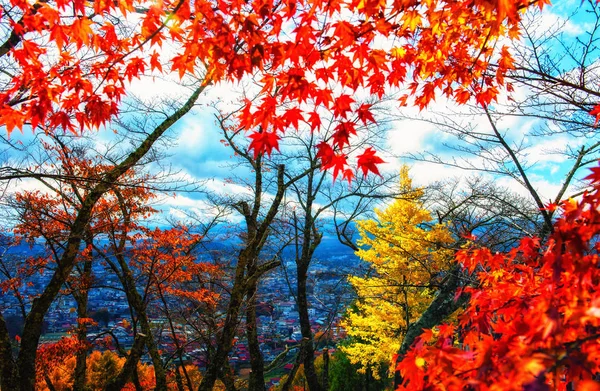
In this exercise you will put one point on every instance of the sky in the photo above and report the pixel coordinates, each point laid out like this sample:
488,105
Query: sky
200,155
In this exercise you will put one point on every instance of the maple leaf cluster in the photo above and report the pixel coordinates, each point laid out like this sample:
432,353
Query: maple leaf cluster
166,257
72,60
53,354
533,321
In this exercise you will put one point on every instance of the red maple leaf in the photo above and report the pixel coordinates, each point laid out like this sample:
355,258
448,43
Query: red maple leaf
594,177
348,175
343,105
343,132
368,161
292,116
364,113
339,163
325,153
263,142
314,119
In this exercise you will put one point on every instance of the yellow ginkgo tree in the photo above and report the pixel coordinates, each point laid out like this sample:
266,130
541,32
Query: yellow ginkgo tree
408,255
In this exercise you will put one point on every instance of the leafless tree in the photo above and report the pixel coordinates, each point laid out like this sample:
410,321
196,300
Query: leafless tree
555,82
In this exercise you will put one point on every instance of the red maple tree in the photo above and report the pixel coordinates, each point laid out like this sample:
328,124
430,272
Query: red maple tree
533,319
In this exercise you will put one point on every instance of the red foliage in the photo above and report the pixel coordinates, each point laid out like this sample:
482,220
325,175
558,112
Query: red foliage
74,60
166,257
264,142
368,161
533,320
53,354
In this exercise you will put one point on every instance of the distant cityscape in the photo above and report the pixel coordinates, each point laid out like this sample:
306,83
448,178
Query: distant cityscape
277,312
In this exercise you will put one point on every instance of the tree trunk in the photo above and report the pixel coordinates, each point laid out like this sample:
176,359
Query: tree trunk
178,379
136,302
81,297
8,370
257,235
287,386
440,308
325,375
307,338
225,339
130,367
135,376
81,357
228,378
310,240
257,364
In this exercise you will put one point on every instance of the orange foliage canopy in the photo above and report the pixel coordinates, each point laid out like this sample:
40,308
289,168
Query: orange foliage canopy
71,60
167,257
532,323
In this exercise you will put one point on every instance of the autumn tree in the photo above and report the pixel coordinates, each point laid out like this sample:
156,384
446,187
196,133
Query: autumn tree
260,207
552,75
70,251
167,262
188,290
310,198
161,265
49,216
511,336
555,78
311,203
408,255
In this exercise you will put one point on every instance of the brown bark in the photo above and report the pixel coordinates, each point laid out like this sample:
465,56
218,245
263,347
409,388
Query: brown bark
8,369
136,302
81,297
325,374
225,338
179,349
310,241
307,345
135,377
287,386
228,378
178,380
81,357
